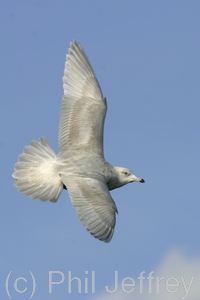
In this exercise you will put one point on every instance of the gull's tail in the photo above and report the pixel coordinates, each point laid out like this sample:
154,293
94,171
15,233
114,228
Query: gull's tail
36,172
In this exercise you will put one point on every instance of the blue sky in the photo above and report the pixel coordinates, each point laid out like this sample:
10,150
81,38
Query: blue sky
146,55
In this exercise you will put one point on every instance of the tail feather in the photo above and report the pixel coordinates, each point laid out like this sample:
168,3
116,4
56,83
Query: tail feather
36,172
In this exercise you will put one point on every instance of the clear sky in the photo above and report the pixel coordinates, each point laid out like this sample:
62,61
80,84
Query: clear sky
146,55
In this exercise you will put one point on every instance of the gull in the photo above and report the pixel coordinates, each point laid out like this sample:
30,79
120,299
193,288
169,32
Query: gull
80,166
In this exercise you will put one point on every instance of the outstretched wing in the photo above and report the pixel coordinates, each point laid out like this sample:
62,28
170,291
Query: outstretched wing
93,203
83,107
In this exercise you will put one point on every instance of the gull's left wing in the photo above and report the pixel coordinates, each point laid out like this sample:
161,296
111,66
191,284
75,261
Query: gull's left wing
93,203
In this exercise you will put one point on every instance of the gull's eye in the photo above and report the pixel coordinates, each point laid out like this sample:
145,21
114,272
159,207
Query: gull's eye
125,173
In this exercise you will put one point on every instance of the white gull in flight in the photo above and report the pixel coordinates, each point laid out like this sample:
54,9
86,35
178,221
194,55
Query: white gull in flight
80,166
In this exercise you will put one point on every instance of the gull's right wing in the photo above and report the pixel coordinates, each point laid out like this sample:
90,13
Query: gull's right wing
83,107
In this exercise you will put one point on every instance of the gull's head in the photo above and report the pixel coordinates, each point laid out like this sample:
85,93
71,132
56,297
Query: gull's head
126,176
